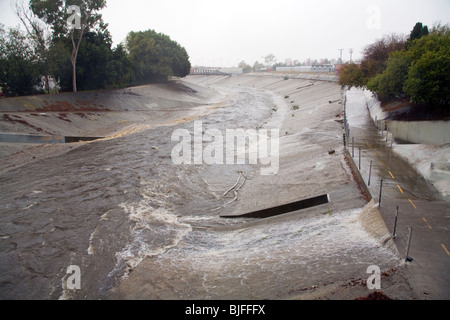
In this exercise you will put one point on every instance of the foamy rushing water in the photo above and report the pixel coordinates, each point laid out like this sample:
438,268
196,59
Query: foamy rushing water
256,261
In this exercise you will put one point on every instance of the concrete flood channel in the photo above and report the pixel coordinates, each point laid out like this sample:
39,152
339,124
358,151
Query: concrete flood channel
141,227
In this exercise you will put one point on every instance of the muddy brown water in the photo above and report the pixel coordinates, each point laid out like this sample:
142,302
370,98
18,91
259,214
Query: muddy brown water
109,205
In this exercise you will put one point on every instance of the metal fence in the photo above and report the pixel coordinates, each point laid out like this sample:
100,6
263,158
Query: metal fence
355,148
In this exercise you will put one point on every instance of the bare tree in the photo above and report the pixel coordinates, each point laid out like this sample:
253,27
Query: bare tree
270,59
40,34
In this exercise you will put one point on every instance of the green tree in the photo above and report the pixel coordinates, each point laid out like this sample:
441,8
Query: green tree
389,84
120,73
245,67
94,57
417,32
155,57
98,67
428,79
351,76
257,66
420,73
72,19
374,61
19,68
375,55
59,58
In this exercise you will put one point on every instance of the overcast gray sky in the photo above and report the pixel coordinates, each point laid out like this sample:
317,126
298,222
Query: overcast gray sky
224,32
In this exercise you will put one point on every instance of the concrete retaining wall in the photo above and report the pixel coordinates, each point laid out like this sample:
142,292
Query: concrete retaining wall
423,132
427,132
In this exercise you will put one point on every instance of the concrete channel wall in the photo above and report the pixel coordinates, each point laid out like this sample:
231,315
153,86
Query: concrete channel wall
436,132
426,132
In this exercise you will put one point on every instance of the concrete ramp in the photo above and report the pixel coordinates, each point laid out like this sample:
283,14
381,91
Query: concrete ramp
285,208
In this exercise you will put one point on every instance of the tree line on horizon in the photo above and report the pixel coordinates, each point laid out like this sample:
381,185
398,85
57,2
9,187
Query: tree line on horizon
415,68
70,43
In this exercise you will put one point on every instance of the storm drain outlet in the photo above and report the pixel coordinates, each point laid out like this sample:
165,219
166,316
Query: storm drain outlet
285,208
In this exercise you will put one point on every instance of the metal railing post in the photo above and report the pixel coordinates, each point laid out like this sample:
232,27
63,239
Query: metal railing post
394,235
359,158
407,257
381,188
353,146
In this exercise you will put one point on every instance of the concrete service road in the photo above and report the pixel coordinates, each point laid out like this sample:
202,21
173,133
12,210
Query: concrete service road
420,205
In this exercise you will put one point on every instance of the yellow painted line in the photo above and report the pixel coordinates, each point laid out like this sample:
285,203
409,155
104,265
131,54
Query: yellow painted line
376,154
399,188
391,174
382,162
412,203
368,144
425,220
448,253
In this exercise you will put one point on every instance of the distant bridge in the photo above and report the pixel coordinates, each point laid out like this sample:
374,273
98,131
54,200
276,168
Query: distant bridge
207,71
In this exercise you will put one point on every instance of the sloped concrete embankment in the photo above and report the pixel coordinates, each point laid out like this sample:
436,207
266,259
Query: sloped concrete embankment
100,113
36,127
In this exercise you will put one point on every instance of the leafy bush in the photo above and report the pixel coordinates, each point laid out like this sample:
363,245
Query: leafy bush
389,84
